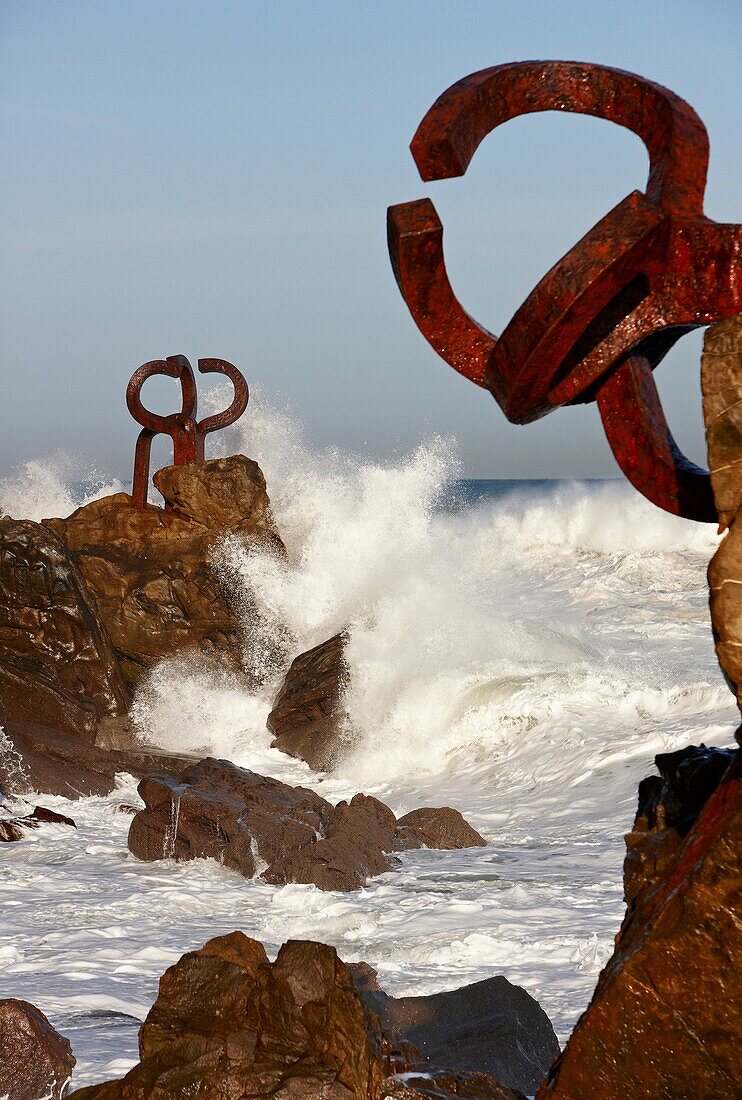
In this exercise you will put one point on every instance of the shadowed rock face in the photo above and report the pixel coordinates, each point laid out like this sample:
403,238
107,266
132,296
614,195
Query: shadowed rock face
149,571
35,1061
257,825
227,1025
669,804
57,664
491,1027
664,1018
308,719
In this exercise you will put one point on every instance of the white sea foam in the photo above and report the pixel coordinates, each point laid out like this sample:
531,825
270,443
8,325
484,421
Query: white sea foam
52,487
522,659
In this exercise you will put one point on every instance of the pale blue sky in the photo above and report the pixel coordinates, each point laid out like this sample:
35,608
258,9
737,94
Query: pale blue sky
211,179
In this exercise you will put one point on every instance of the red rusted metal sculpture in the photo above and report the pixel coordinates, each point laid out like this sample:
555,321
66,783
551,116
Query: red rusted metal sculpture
188,434
608,312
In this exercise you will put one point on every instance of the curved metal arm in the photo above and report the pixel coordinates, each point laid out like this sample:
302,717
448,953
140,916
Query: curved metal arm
239,402
651,269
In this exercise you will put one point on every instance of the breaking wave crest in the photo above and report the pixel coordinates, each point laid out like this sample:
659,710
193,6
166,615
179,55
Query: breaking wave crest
545,607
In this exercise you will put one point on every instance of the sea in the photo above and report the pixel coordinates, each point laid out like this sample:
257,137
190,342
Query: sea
518,649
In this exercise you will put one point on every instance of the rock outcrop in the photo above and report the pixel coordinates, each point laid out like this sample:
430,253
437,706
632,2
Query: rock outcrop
664,1018
259,826
13,828
721,381
229,1024
490,1027
88,605
308,719
36,1062
51,762
669,804
57,665
149,571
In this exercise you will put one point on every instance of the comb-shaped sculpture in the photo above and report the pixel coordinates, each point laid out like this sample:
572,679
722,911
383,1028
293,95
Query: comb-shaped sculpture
608,312
187,433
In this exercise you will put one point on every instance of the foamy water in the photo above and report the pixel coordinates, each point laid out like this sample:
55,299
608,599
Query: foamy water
522,658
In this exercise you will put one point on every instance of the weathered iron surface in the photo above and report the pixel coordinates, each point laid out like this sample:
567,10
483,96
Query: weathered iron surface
188,434
608,312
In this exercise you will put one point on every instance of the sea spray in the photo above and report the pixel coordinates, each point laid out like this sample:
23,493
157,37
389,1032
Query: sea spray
521,659
53,487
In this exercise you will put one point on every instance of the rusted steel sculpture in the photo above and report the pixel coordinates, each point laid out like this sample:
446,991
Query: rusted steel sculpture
608,312
188,434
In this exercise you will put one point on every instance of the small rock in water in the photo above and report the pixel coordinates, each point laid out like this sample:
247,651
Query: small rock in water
12,828
308,719
36,1062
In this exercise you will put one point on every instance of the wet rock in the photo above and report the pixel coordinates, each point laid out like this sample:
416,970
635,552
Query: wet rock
260,826
57,664
665,1016
218,810
36,1062
12,828
490,1027
48,761
669,804
308,719
357,836
721,382
149,571
229,1024
440,827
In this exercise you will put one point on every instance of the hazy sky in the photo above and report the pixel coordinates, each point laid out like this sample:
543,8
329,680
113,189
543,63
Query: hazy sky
211,179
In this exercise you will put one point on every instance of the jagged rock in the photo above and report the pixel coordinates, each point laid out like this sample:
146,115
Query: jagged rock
229,1025
669,804
228,813
11,828
57,665
149,571
48,761
490,1027
440,827
308,719
36,1062
665,1016
357,837
257,825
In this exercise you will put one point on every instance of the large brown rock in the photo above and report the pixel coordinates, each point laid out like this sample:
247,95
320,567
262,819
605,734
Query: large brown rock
36,1062
218,810
228,1025
665,1016
149,572
721,381
57,665
308,719
260,826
